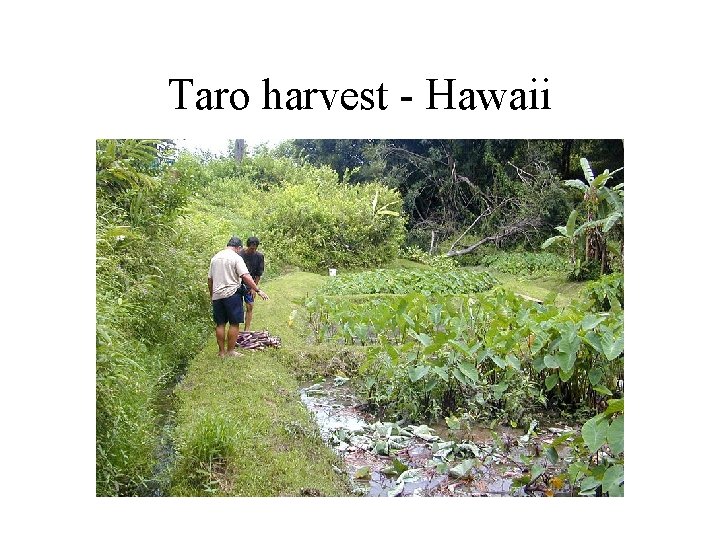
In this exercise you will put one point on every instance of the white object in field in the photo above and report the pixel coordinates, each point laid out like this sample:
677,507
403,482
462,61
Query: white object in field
333,272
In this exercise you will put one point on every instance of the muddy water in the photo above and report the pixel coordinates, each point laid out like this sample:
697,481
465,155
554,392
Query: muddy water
386,459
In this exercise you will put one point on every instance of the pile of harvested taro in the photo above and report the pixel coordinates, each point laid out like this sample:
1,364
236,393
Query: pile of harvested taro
257,340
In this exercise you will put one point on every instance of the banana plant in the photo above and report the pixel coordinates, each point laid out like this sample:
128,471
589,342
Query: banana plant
604,209
570,236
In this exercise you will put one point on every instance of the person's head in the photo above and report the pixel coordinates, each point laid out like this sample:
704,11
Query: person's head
235,243
252,244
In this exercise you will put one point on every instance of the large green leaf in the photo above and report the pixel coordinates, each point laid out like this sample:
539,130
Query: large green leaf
570,227
442,372
616,435
418,372
469,370
565,361
595,374
611,220
585,165
499,362
594,433
615,405
591,320
577,184
611,346
593,340
613,480
551,361
463,468
550,241
551,381
513,361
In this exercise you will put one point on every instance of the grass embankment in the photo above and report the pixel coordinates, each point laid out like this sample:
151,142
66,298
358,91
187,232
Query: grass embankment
551,289
241,428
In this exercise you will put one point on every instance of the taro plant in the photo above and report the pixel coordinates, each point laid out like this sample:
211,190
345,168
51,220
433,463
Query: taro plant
491,353
593,462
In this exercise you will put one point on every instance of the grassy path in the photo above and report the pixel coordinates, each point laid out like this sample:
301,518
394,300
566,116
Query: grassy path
241,428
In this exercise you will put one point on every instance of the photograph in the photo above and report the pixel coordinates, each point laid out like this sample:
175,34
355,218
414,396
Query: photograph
359,318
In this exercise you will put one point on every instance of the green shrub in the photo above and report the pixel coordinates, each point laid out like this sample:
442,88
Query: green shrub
317,223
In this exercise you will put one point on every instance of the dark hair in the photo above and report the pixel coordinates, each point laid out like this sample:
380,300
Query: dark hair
253,240
234,242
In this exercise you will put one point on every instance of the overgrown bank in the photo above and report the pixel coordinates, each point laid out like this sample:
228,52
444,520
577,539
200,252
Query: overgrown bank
241,428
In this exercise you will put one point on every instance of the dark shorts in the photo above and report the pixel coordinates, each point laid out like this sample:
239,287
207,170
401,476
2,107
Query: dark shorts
229,310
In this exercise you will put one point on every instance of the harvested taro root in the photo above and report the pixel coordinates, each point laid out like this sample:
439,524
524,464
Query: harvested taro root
257,340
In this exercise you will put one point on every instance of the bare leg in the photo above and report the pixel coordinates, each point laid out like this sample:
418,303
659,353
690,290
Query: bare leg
232,338
248,315
220,336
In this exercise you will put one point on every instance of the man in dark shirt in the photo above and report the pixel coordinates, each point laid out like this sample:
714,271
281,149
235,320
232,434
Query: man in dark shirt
255,262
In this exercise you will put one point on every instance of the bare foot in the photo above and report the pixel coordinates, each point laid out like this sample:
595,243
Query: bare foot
221,354
234,354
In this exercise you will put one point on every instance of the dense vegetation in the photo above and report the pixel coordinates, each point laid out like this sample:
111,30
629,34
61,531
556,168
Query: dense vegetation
437,341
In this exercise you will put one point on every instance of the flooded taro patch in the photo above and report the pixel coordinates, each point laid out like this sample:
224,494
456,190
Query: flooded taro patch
392,459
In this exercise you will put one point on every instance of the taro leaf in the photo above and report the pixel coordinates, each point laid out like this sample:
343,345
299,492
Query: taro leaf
539,342
381,448
577,470
613,479
565,376
468,448
430,384
498,361
536,471
362,473
423,432
612,347
594,433
551,381
438,341
590,321
442,373
594,340
520,481
442,468
396,468
513,361
602,390
459,376
418,372
552,454
397,490
462,469
595,374
460,346
499,389
551,361
424,339
469,370
616,435
565,361
615,405
538,363
588,485
452,422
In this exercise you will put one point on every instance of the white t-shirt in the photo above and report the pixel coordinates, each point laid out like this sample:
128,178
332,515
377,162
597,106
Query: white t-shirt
226,271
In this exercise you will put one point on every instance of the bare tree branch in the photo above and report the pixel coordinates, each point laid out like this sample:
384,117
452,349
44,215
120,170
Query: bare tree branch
519,227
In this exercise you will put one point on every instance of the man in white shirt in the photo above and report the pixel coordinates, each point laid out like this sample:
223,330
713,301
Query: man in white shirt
227,271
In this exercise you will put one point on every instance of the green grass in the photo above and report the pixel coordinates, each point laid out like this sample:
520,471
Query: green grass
241,428
553,288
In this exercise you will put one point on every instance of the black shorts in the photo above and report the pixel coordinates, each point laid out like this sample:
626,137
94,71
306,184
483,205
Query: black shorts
229,310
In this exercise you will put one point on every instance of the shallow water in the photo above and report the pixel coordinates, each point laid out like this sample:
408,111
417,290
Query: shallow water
386,459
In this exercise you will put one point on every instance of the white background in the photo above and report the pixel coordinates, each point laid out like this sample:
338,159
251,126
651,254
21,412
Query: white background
74,72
